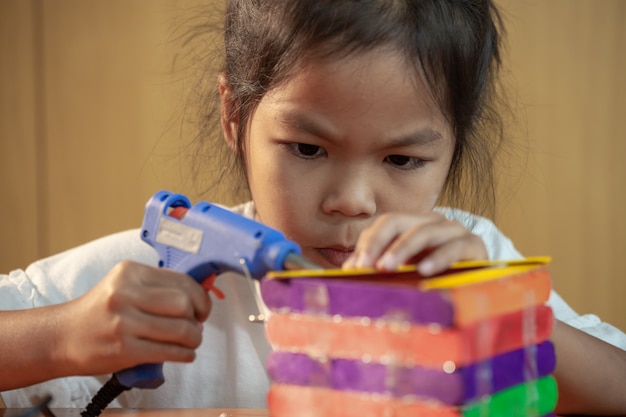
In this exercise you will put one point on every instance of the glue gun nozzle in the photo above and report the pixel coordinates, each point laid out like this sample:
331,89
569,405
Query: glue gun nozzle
294,262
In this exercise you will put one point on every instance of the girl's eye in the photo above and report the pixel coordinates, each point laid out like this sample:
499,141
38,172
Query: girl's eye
305,150
405,162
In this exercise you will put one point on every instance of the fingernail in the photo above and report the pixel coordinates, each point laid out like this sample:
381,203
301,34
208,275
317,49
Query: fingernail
363,261
387,263
426,268
348,263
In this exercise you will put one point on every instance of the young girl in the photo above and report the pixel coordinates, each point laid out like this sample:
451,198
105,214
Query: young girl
352,122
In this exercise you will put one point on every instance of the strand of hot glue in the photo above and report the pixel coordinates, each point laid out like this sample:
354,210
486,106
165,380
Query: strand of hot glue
256,291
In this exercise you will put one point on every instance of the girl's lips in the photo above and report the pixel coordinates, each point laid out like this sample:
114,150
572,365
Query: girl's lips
335,257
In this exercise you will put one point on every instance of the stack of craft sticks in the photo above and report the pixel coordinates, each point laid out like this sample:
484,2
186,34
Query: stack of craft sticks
472,342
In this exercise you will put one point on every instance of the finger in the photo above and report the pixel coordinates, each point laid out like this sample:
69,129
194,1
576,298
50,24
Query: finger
168,302
374,240
135,352
191,301
182,332
419,239
161,301
164,291
149,351
463,248
194,293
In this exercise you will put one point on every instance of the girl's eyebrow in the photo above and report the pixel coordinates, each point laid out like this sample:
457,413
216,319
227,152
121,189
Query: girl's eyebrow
303,122
421,137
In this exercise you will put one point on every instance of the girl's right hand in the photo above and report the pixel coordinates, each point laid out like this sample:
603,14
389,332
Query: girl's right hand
136,314
428,239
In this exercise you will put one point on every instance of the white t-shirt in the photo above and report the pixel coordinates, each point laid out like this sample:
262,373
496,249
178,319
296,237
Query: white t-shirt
229,370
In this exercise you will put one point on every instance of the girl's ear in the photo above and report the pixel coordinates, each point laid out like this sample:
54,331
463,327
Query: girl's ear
229,117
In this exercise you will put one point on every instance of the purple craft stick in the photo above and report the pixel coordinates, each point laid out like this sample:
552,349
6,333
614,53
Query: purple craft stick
456,388
357,299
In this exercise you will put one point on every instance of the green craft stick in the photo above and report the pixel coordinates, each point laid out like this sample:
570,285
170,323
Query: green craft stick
531,399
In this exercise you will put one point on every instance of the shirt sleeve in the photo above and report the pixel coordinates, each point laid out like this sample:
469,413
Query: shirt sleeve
501,247
71,273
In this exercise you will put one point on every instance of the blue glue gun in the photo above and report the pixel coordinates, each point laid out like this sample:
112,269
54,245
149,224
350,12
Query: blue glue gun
203,240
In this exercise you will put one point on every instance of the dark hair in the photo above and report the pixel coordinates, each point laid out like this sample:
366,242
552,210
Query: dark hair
455,43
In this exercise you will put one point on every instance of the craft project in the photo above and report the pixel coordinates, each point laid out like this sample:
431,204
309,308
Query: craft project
535,398
471,342
455,387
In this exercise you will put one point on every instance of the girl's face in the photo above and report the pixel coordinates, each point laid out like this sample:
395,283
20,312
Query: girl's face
341,143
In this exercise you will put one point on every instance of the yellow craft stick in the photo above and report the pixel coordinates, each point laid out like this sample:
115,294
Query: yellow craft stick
525,264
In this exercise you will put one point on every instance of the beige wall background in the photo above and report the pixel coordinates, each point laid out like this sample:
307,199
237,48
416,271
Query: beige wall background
90,128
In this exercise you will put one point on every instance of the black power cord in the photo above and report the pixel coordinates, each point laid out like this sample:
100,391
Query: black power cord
109,391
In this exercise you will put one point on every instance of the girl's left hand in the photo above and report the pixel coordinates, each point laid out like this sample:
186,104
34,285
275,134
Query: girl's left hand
430,240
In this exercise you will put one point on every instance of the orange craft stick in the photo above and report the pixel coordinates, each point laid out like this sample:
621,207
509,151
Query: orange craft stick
291,400
532,399
494,297
403,343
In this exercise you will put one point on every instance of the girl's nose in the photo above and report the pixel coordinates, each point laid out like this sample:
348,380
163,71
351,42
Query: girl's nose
350,194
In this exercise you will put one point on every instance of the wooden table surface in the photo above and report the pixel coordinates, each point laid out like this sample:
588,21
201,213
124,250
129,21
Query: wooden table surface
161,412
125,412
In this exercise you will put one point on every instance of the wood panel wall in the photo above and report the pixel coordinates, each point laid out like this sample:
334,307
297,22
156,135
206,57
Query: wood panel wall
567,63
89,129
90,119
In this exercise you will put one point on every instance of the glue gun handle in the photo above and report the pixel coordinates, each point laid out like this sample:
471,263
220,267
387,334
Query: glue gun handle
147,375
